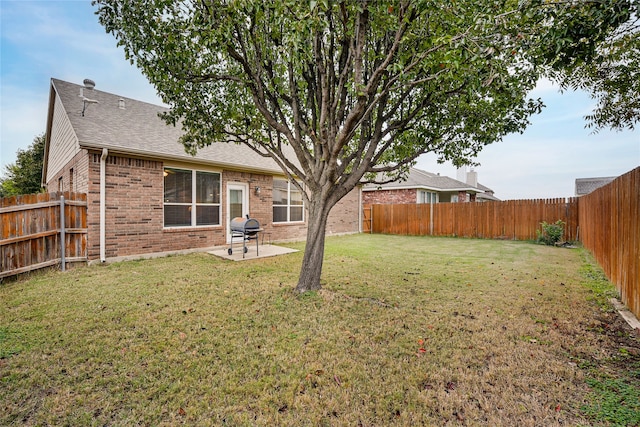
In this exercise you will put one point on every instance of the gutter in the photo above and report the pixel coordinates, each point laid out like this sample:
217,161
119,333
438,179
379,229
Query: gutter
163,157
422,187
103,202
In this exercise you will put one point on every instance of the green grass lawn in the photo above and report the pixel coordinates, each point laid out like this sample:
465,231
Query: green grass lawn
406,331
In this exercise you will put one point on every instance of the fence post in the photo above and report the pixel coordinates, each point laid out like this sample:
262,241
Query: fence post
431,218
63,236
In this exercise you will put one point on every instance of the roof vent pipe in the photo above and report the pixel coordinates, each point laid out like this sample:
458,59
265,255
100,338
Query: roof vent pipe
121,104
89,84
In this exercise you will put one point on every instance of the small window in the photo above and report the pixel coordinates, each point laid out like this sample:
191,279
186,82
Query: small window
427,196
287,202
191,198
71,180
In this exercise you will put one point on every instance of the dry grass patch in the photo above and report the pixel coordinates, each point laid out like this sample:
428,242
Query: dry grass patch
407,331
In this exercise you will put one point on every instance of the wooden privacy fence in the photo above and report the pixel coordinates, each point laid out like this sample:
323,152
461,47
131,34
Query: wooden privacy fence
610,228
514,219
41,230
606,221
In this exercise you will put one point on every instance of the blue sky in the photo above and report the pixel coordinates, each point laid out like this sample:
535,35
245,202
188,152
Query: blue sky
62,39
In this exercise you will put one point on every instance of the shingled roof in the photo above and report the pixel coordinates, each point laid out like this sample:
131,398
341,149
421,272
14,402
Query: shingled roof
418,178
587,185
137,130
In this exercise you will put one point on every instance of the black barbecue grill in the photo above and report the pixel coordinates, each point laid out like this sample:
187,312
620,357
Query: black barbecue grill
245,229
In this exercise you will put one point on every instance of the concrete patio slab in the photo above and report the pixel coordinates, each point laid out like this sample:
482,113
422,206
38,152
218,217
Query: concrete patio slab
263,251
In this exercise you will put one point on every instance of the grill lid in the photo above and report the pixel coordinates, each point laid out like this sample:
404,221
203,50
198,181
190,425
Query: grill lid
244,225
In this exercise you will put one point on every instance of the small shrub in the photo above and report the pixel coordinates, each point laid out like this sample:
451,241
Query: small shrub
551,233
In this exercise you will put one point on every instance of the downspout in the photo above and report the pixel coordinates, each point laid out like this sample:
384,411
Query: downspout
360,209
103,203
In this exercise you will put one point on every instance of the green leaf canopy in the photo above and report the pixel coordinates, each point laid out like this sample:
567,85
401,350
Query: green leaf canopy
352,87
338,92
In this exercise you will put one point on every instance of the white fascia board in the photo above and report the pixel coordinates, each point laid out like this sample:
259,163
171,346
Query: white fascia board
424,187
174,158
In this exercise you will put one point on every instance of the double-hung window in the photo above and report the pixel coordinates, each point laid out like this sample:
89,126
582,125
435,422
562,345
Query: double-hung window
191,198
287,202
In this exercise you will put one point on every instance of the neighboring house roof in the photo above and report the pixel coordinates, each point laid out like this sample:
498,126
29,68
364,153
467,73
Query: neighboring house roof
487,194
420,179
587,185
137,130
485,189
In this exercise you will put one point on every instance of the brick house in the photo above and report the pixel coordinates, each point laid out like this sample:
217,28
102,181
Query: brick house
426,187
146,195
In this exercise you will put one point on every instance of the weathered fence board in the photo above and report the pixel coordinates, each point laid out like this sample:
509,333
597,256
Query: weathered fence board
610,228
366,219
30,231
515,219
607,222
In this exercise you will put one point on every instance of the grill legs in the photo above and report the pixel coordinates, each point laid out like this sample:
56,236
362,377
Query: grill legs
245,238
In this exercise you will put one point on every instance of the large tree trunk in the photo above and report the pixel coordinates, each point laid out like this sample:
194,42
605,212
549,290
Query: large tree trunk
314,250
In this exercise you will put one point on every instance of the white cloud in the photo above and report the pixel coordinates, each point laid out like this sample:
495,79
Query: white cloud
544,86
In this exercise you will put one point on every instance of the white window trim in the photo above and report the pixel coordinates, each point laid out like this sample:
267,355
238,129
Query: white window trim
288,205
193,203
435,197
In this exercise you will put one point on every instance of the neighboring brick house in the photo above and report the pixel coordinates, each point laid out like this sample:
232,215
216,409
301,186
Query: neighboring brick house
426,187
146,195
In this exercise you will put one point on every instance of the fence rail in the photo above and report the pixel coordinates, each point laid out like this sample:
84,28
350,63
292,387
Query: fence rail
606,221
42,230
610,229
514,219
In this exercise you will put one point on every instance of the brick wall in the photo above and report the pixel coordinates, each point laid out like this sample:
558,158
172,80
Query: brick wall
259,204
134,211
345,215
408,196
464,197
389,197
261,207
134,208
